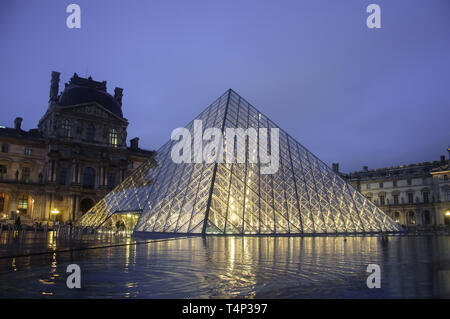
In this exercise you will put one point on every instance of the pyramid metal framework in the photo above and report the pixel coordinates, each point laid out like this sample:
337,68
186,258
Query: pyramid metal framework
303,197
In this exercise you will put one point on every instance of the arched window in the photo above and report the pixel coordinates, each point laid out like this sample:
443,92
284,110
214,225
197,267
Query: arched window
89,178
411,218
113,137
426,218
67,128
90,133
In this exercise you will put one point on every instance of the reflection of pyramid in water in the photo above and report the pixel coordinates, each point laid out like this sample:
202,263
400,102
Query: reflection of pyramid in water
303,197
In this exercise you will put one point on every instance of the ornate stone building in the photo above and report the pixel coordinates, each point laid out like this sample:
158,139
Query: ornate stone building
75,156
415,195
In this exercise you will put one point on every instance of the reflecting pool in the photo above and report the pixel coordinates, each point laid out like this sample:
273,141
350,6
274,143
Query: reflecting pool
238,267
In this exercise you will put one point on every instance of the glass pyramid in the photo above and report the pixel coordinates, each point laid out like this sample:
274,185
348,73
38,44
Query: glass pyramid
303,197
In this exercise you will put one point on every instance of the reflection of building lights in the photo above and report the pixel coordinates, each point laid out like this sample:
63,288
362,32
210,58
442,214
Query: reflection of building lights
55,211
233,217
128,215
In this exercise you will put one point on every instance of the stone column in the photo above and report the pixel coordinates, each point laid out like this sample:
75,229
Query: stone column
74,172
12,205
77,207
48,206
79,174
101,183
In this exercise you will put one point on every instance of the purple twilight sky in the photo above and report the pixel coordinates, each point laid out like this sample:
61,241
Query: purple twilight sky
358,96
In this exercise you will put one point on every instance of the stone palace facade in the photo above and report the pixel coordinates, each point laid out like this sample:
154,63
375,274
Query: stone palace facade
74,157
415,195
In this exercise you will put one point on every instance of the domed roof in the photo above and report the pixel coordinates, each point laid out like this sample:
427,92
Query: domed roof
80,90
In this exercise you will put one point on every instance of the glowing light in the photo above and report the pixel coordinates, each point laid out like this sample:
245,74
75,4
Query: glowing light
55,211
447,213
128,215
233,217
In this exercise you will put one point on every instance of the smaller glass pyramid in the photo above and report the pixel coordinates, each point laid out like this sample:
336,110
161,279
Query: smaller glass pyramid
304,196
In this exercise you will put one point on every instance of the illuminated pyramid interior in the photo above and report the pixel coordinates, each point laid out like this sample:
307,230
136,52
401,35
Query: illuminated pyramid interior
303,197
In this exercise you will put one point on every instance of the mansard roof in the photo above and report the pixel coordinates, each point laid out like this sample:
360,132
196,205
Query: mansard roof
81,90
32,134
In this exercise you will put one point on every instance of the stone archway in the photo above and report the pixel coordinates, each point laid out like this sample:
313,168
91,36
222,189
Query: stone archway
85,205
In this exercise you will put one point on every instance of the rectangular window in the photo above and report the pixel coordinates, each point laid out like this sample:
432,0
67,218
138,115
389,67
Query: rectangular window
394,183
367,186
426,197
27,151
5,148
395,199
3,171
90,132
111,180
410,198
67,128
113,137
62,176
22,203
381,200
409,181
381,185
25,174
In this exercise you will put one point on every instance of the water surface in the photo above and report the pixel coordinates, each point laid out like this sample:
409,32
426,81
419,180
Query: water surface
236,267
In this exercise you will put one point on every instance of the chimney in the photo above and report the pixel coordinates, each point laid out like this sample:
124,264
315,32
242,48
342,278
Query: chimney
365,168
18,123
442,158
118,93
336,167
134,143
54,86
